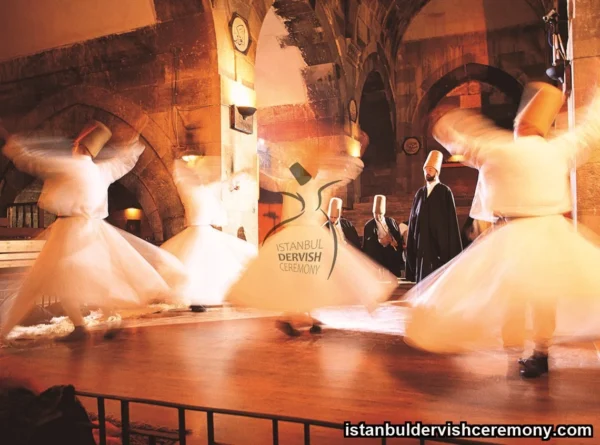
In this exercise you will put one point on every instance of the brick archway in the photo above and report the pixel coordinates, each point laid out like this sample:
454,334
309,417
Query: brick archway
150,181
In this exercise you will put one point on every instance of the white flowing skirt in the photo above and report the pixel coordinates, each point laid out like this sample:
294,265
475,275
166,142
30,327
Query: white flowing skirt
300,269
213,261
542,262
89,261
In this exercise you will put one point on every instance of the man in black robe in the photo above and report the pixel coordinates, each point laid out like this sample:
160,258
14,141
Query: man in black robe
382,240
344,229
433,232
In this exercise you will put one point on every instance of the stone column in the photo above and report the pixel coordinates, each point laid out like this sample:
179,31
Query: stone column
584,51
237,149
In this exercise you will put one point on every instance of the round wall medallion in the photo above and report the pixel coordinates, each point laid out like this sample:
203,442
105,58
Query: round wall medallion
240,33
411,145
353,110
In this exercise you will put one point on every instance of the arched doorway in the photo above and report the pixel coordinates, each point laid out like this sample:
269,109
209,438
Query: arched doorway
24,217
484,89
126,213
471,73
375,119
64,115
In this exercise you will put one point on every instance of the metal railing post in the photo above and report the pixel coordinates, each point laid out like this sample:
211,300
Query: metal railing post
182,435
125,421
126,430
102,421
210,427
275,432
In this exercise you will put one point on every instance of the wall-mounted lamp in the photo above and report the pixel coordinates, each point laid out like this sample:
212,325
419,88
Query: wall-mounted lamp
561,72
191,155
242,119
556,72
133,213
561,68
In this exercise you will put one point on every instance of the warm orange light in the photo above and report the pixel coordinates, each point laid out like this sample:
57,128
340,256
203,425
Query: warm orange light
190,158
240,95
354,148
133,213
456,158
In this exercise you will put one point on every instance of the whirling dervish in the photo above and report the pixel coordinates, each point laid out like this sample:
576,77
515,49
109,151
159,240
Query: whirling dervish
536,259
301,265
213,259
85,260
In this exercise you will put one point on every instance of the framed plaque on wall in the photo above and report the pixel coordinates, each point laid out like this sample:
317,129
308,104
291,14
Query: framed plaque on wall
411,145
353,110
240,33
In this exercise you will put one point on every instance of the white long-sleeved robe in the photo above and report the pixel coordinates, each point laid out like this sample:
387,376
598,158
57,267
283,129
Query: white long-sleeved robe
303,266
85,259
213,260
538,260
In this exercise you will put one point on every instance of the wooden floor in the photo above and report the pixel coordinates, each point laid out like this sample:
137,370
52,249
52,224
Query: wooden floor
340,375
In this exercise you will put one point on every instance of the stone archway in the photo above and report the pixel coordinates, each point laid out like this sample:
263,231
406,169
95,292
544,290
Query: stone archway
300,92
375,119
297,67
376,63
465,73
150,181
463,87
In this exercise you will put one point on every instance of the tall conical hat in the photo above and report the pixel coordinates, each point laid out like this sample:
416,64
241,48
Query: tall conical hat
434,160
335,208
94,137
379,204
540,104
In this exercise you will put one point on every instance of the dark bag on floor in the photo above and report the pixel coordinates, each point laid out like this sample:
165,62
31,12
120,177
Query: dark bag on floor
55,416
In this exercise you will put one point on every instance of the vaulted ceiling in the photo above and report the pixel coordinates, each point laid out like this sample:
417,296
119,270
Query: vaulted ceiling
32,26
396,15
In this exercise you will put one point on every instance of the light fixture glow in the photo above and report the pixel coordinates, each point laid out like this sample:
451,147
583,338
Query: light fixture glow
456,158
191,156
354,148
133,213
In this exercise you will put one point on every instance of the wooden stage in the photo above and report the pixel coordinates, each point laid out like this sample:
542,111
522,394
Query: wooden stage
246,364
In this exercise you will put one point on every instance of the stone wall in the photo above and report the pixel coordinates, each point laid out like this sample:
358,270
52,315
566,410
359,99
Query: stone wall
300,111
584,51
166,72
319,123
184,74
480,70
30,26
